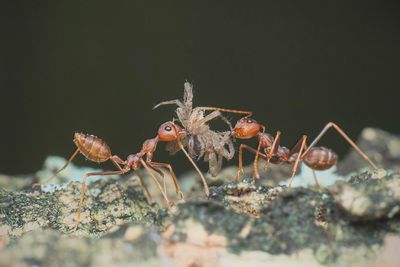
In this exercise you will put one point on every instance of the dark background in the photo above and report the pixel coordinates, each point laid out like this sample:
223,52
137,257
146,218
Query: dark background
100,67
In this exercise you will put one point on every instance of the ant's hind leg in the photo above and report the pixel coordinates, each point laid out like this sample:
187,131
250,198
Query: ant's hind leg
345,136
143,184
71,158
298,148
317,186
84,188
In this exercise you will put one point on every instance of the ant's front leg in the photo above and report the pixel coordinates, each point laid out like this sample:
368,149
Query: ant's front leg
171,172
250,149
256,175
162,190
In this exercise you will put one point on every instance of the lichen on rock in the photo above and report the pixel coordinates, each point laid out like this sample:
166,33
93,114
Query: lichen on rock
107,204
355,221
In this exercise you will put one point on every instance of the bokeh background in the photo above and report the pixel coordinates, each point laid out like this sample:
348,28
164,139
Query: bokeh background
99,67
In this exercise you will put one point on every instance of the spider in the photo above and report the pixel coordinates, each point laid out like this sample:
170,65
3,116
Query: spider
196,136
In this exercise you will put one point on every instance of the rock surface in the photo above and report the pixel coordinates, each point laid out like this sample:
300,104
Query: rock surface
352,222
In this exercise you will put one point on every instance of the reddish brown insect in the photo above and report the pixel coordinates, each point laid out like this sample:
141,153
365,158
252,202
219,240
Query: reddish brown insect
95,149
317,158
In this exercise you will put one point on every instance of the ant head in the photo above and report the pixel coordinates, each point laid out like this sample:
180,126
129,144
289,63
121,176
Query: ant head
246,128
168,131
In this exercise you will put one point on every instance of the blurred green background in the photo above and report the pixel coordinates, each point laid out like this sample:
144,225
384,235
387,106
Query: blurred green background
99,67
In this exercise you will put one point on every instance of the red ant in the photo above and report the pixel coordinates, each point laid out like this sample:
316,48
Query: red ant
96,150
317,158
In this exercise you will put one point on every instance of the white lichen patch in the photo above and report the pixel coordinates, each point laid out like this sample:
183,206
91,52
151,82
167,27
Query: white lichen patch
394,148
306,177
70,174
378,174
369,134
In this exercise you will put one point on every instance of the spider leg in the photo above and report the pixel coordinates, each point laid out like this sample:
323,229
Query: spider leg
169,102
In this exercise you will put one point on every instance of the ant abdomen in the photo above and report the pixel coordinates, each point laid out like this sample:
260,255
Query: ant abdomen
320,158
92,147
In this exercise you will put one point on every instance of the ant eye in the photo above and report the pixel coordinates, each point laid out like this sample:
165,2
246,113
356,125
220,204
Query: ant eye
168,128
249,121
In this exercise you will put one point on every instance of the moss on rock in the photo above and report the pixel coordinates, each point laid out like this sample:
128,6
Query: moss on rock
107,204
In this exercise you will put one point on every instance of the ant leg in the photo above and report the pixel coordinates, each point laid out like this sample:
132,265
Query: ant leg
142,183
273,150
250,149
161,174
302,143
254,151
83,189
117,161
240,164
203,179
345,136
171,172
71,158
164,193
156,170
317,186
247,113
256,175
